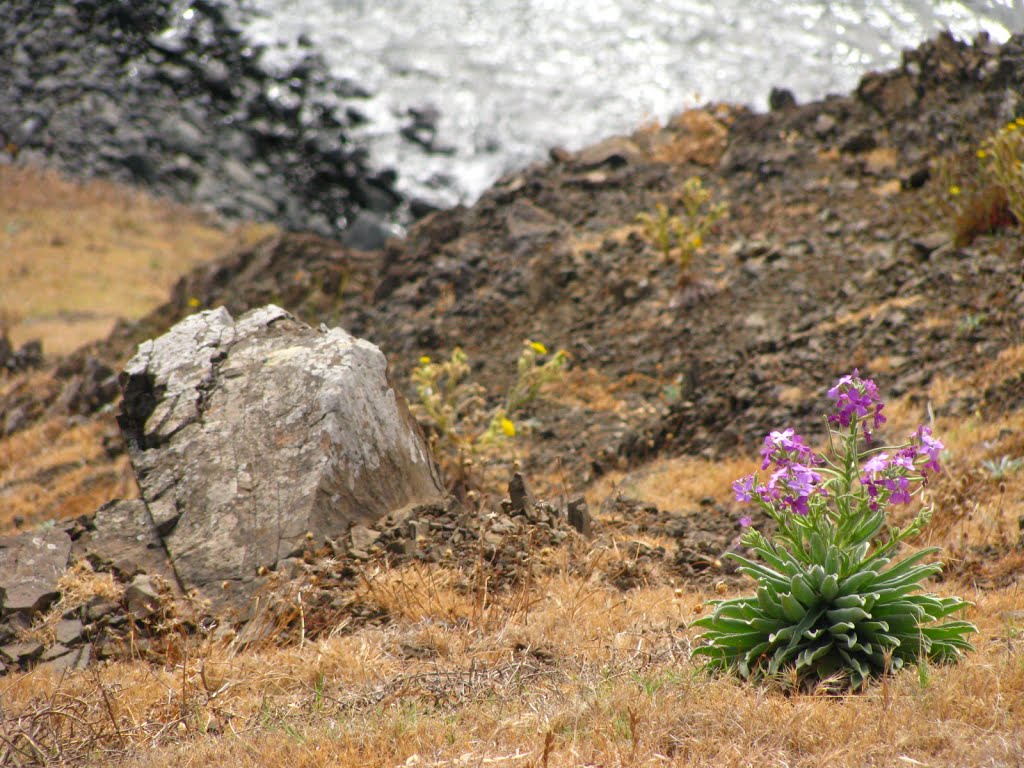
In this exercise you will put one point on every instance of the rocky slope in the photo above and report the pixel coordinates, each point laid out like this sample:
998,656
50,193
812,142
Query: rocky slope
174,99
838,248
838,252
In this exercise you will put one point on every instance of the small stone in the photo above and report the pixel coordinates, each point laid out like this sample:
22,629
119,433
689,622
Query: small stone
98,607
69,631
16,652
402,547
824,125
291,567
54,651
781,98
519,495
579,515
928,244
84,656
362,538
859,141
142,597
30,565
614,152
58,662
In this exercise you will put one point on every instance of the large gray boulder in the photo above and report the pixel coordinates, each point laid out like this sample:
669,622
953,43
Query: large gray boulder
251,438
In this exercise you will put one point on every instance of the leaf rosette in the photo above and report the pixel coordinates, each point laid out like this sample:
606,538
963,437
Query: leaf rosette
833,604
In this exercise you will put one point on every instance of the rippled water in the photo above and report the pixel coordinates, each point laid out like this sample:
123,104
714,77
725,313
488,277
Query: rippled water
513,78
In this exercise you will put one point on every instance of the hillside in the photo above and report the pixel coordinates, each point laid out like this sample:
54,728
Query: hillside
858,235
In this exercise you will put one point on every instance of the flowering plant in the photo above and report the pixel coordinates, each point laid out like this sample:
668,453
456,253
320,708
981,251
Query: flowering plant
455,408
689,230
831,604
1001,157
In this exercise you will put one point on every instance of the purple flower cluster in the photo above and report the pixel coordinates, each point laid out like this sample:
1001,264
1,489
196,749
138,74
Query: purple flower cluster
856,398
928,447
884,474
786,447
794,480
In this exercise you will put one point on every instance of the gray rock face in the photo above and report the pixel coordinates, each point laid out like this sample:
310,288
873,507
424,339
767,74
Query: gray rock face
249,436
126,539
30,566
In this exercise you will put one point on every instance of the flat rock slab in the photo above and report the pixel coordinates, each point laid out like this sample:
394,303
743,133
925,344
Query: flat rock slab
252,438
30,566
126,539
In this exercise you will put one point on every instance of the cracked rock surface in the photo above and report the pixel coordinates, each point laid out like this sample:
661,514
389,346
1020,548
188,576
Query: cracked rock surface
253,437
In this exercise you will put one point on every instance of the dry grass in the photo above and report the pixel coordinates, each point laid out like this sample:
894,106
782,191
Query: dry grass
605,673
567,671
564,670
52,471
676,483
79,256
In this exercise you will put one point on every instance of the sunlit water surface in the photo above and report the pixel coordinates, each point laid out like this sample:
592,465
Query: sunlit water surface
514,78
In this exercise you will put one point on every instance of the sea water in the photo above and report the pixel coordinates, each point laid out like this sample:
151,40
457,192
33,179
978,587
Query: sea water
510,79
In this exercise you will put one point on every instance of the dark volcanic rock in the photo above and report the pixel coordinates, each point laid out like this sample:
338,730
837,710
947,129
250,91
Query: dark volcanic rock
180,102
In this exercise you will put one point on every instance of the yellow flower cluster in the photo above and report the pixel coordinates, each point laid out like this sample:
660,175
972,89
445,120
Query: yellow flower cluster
1001,157
456,409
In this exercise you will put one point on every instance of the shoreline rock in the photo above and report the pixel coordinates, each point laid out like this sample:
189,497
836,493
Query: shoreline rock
183,106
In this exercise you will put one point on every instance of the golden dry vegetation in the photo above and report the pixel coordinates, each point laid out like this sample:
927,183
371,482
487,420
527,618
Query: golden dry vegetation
50,471
78,256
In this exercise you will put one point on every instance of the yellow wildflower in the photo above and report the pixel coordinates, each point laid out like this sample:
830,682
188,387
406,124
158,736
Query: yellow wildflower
508,427
537,347
982,154
194,302
425,360
696,241
954,190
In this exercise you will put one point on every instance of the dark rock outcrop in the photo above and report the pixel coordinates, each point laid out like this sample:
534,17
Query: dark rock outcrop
180,102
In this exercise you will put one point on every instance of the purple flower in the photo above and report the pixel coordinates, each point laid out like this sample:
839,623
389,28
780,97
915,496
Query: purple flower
889,473
786,447
899,487
928,447
744,488
793,484
856,398
745,521
876,464
905,458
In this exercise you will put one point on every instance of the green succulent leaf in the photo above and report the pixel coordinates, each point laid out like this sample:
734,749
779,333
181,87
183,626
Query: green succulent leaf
829,587
803,591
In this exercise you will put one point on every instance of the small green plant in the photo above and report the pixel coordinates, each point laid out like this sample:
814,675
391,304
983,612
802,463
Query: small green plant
1002,161
971,323
833,606
456,410
999,468
683,235
984,192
